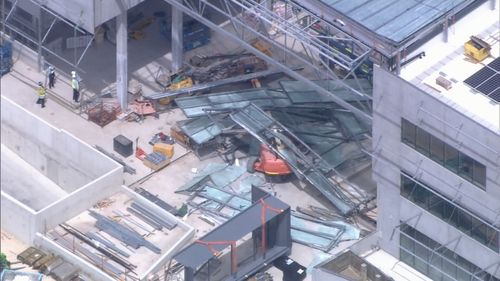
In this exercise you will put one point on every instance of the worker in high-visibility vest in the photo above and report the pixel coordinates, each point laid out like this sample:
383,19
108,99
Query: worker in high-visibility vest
42,92
75,84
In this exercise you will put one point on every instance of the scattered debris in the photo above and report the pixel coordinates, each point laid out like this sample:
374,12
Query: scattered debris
103,203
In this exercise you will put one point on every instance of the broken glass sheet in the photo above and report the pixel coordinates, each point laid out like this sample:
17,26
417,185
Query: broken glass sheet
350,231
300,92
245,186
194,183
203,129
215,194
312,240
325,230
196,106
239,203
350,122
229,174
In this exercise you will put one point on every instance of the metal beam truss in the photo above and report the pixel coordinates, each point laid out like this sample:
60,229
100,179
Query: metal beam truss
301,38
38,37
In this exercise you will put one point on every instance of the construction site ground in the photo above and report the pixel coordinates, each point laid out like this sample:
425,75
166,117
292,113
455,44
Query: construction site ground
19,86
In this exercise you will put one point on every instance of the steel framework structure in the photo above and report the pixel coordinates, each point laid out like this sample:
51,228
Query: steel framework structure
301,38
40,36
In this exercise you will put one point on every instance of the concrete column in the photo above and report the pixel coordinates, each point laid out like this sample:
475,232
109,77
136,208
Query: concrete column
176,45
445,30
121,60
398,62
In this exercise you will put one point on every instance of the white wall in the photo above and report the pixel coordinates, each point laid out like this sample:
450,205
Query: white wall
78,11
16,218
79,201
58,155
76,167
394,99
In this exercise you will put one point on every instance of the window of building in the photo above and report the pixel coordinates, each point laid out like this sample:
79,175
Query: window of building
437,150
451,158
436,261
436,204
409,133
423,141
444,154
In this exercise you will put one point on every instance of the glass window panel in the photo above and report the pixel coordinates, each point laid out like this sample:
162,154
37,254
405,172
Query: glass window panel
419,196
492,238
437,150
423,141
462,274
409,132
461,220
465,166
455,266
421,259
436,206
443,153
435,264
479,174
447,266
451,158
479,230
406,186
448,212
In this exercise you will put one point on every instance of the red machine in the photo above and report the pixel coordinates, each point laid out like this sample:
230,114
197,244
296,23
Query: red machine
269,163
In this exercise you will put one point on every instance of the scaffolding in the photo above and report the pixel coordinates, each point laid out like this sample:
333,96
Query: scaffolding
301,38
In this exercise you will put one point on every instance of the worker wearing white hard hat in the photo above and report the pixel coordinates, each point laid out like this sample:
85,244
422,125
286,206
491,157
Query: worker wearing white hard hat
75,84
52,77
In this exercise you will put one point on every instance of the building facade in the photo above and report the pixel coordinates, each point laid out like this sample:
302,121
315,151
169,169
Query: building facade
438,177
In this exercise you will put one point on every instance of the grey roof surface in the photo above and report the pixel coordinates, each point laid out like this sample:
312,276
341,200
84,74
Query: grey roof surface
395,20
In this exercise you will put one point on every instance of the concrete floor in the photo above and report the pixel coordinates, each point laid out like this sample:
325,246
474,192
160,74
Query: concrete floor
143,258
25,183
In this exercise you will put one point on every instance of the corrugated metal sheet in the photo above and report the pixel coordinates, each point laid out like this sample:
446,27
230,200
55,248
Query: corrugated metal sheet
395,20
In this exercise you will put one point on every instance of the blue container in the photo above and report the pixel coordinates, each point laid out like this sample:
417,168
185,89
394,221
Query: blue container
5,58
6,49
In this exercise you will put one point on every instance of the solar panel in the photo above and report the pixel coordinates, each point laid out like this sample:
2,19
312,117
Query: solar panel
487,80
495,64
495,95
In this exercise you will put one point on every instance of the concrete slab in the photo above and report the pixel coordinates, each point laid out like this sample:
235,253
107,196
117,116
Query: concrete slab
115,207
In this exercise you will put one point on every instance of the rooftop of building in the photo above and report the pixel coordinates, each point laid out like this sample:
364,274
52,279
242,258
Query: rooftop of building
447,59
394,20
